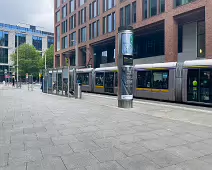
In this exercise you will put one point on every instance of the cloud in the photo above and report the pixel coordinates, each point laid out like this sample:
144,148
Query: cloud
34,12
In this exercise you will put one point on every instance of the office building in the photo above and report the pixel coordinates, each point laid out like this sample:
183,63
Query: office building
8,43
164,30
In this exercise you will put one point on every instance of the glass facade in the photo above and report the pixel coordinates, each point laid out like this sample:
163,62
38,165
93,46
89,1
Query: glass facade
153,8
182,2
37,43
94,9
58,37
64,11
109,17
3,38
58,16
81,2
127,15
108,4
122,22
201,39
82,16
21,39
50,41
72,39
104,25
65,42
4,55
2,68
162,6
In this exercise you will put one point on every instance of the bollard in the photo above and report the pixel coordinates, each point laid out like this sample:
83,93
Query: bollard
78,91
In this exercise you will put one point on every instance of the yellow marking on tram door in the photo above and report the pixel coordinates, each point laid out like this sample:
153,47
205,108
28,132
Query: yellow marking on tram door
100,87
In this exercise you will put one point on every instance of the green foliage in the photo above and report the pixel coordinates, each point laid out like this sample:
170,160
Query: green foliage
28,60
49,58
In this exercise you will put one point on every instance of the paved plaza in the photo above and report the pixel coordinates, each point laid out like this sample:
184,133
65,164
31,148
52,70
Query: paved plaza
48,132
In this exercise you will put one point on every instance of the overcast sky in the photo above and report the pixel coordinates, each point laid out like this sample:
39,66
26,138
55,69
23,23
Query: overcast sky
34,12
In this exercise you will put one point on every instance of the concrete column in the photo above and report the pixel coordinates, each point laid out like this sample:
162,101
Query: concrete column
44,44
171,39
208,29
61,60
29,39
89,55
11,45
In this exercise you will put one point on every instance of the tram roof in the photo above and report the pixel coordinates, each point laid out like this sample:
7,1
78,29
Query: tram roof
205,62
157,65
84,70
106,69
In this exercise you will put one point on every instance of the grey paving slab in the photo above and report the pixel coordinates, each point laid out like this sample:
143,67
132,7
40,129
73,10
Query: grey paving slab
34,130
131,149
138,162
108,154
79,160
15,167
189,137
53,163
110,165
200,147
64,139
58,150
3,159
195,164
107,142
86,145
163,158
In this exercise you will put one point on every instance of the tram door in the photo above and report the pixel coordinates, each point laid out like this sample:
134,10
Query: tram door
109,82
199,85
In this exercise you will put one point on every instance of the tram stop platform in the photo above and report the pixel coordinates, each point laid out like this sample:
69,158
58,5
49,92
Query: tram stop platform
49,132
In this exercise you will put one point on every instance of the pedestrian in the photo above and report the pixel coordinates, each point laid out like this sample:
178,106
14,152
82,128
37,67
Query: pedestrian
13,81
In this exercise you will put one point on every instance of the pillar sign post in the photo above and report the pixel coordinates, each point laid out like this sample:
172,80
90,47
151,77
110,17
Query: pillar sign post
125,67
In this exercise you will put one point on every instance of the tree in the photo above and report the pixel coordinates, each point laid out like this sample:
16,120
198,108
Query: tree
49,58
28,60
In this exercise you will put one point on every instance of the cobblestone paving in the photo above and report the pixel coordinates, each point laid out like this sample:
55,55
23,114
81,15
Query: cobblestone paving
46,132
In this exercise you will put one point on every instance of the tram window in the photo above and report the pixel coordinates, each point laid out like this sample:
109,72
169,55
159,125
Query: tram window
109,79
192,89
144,79
206,85
83,78
116,79
160,79
99,79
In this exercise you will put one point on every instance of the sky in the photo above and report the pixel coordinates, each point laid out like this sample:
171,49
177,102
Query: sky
33,12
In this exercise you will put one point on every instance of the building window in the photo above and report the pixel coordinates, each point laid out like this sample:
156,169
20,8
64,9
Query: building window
134,12
114,21
94,9
64,1
58,37
98,28
104,25
37,43
108,4
58,16
83,34
162,6
182,2
152,8
21,39
3,38
127,15
4,55
81,2
65,42
72,39
64,11
73,21
64,26
72,6
58,3
109,18
50,41
201,39
122,23
82,16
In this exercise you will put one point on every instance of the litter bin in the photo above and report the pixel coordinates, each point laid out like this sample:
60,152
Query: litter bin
78,91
